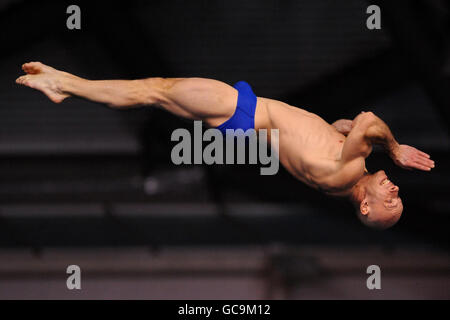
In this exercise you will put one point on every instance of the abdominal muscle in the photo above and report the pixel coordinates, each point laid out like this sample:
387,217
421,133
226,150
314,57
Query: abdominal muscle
309,147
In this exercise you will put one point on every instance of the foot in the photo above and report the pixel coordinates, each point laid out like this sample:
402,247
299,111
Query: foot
45,79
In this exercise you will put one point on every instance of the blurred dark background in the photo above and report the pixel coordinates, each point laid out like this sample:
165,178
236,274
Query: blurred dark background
84,184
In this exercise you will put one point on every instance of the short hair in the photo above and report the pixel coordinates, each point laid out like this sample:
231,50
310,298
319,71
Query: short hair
377,224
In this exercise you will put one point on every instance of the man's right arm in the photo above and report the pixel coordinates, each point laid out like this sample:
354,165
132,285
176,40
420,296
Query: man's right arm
368,129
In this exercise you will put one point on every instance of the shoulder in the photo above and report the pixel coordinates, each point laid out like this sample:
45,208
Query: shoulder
345,176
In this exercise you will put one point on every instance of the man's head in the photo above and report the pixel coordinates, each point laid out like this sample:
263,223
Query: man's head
376,200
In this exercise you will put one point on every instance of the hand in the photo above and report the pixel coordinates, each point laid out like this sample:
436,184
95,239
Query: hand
410,158
343,126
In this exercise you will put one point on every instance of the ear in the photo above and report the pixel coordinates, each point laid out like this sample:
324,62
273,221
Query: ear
364,207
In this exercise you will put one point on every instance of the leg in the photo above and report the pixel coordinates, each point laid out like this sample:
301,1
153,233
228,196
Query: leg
197,98
194,98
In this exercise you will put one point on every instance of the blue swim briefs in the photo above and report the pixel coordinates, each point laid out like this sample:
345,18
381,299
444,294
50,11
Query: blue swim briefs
244,115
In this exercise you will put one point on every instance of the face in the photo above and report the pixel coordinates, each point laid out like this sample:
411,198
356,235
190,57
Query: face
382,200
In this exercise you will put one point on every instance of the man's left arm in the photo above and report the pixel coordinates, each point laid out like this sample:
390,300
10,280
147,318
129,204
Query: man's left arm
343,126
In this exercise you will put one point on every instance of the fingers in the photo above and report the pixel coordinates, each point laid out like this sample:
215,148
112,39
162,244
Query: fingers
422,163
420,160
426,155
347,125
423,159
421,167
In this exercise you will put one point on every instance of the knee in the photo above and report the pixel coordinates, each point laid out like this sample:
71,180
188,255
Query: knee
161,84
159,89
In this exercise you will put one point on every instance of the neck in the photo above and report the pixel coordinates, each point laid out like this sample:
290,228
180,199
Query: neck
356,191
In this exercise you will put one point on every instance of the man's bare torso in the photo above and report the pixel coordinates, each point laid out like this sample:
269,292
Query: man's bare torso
309,147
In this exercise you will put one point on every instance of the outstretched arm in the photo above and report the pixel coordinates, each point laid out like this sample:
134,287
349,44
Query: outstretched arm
368,129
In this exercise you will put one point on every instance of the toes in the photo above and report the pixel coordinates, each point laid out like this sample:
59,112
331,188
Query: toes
28,68
20,80
25,80
32,67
